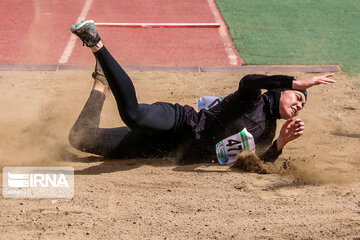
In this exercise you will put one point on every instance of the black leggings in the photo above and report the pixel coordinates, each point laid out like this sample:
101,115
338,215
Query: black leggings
150,127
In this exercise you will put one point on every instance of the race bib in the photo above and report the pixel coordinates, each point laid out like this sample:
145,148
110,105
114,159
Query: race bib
227,149
208,102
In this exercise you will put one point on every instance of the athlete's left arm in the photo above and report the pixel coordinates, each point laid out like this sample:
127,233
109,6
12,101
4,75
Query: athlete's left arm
290,131
271,154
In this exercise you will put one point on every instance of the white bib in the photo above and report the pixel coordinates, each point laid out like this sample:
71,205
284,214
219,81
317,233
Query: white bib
208,102
228,148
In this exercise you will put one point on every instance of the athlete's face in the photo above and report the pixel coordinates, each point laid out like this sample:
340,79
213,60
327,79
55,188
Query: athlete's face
291,102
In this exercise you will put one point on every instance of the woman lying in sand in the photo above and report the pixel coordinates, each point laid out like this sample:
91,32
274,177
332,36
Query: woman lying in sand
245,119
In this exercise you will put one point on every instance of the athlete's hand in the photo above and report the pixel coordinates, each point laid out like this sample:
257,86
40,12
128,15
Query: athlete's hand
307,83
290,130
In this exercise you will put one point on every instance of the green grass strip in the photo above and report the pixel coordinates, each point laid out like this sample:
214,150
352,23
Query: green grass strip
295,31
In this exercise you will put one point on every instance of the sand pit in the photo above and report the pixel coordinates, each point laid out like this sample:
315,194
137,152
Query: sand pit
313,191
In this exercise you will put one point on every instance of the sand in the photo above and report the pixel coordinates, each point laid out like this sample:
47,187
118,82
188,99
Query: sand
312,191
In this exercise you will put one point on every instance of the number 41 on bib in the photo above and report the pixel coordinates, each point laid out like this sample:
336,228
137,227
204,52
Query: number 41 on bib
228,148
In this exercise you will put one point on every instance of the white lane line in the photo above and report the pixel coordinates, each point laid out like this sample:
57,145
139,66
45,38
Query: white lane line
232,53
71,43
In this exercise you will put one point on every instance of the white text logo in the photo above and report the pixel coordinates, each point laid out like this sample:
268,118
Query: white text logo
38,182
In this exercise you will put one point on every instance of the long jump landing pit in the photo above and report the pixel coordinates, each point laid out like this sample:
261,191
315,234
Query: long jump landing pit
316,196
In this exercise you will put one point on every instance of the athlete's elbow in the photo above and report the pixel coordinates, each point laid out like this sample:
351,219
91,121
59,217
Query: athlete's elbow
248,82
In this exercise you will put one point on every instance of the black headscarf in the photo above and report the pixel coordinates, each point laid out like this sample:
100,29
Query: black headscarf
272,101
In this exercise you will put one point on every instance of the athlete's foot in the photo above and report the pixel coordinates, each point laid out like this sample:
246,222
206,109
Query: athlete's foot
87,32
99,86
100,83
98,74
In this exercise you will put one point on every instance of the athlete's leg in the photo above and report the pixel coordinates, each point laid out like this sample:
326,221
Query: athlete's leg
155,119
86,135
119,142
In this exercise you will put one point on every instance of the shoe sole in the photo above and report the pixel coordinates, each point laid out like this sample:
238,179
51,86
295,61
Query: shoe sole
76,27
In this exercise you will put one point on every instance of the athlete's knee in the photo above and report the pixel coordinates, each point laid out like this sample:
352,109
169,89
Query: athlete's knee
77,138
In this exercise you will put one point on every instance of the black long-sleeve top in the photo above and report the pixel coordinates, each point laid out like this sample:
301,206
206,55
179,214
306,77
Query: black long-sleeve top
245,108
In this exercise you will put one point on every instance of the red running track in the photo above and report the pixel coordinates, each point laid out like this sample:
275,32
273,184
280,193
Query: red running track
37,32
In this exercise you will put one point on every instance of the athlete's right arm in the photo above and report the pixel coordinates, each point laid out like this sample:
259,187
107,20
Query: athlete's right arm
254,82
307,83
248,94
